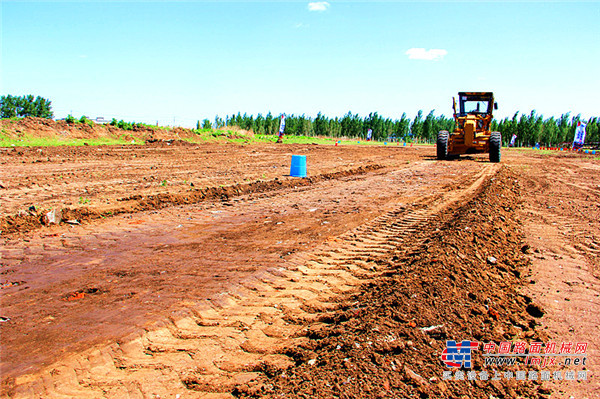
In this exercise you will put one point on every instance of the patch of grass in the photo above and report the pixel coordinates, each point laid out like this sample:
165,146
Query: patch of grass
13,119
265,138
217,135
27,141
531,151
231,136
331,141
84,200
546,152
154,126
379,143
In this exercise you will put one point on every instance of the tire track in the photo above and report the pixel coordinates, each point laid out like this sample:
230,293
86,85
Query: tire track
213,345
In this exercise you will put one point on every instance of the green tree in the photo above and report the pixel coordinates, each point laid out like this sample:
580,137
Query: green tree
563,128
593,130
416,128
42,108
321,125
430,126
335,127
8,106
270,124
352,125
219,123
259,124
402,127
13,106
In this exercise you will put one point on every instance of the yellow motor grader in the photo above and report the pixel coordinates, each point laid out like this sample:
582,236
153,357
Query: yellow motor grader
472,133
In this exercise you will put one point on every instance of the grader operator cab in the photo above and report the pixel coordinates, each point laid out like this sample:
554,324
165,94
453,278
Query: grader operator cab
472,133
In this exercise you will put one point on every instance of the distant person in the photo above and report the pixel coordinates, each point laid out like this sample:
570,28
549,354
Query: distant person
369,134
281,129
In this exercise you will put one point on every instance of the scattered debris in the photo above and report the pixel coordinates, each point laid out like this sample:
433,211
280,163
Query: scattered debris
80,294
75,296
431,328
53,217
412,376
11,284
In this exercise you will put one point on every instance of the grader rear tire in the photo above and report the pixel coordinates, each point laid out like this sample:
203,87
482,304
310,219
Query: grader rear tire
495,146
442,145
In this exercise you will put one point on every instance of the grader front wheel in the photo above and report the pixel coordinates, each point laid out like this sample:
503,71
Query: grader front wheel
442,145
495,146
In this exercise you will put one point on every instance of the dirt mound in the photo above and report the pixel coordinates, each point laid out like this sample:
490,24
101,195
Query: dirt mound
40,127
457,282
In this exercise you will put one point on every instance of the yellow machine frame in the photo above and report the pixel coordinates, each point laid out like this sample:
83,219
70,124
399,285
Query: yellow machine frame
472,133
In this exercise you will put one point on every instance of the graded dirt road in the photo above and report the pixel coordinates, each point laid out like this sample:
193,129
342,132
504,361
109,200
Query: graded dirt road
200,270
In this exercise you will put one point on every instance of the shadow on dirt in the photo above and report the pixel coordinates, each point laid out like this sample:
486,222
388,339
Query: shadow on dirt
456,158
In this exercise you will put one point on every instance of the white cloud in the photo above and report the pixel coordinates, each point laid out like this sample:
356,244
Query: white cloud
429,55
318,6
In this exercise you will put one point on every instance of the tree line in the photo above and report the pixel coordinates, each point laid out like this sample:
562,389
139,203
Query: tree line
530,128
350,125
533,129
22,106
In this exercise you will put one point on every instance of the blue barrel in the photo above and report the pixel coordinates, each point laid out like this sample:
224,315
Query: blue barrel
298,168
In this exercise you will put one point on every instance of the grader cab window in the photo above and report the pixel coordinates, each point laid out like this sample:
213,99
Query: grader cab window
474,106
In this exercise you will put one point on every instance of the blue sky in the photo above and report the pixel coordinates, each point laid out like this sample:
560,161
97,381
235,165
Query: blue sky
179,62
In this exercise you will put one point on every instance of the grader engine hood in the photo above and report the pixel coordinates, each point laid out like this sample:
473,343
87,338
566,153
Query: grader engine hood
470,129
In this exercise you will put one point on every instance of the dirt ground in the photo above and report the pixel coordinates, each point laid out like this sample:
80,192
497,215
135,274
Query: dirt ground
184,270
